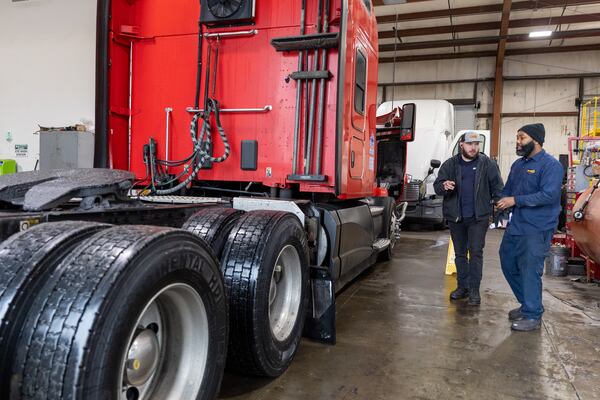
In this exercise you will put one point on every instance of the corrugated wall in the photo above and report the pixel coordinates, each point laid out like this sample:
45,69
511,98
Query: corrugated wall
523,96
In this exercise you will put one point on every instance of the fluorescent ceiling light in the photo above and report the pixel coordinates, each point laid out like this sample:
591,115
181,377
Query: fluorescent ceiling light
539,34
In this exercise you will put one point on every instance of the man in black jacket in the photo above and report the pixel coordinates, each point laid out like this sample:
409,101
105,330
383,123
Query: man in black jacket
469,182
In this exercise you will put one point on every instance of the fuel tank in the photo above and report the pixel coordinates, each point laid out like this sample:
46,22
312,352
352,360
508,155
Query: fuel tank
587,231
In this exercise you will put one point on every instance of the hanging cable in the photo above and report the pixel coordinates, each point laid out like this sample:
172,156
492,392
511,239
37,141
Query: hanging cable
201,139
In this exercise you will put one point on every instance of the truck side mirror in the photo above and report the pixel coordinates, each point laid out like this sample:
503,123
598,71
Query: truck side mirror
398,124
409,116
433,164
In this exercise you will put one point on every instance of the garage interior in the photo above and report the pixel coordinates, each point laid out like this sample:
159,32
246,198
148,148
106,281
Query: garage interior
499,65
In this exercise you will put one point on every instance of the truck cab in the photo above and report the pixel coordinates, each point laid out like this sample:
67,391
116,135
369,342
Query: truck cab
236,192
434,134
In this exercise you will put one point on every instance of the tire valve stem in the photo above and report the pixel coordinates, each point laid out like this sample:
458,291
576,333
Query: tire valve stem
134,364
277,273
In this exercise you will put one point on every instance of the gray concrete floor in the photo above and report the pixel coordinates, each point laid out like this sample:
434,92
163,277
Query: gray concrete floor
399,337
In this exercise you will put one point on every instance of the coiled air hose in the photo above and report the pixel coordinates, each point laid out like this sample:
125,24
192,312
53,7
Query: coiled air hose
212,106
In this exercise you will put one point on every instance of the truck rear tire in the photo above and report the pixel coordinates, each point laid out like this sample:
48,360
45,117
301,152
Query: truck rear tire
213,224
27,259
128,314
266,266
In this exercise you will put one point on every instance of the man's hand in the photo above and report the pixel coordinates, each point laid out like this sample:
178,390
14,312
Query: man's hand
449,185
505,202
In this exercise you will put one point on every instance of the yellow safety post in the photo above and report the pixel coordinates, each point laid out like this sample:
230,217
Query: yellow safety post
450,263
450,260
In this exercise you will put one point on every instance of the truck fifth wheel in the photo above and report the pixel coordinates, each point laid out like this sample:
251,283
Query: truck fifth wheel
241,182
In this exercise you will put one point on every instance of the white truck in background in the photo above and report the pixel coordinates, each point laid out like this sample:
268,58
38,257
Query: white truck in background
435,141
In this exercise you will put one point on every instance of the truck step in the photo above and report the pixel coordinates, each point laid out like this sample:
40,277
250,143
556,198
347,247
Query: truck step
307,42
376,210
381,244
308,75
307,178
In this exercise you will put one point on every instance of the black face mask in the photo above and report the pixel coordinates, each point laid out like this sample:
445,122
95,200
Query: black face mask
526,149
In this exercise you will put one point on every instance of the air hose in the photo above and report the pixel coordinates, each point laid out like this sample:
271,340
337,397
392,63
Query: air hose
202,141
579,214
204,138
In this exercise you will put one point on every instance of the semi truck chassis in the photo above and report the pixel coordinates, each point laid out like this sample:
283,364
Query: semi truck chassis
102,292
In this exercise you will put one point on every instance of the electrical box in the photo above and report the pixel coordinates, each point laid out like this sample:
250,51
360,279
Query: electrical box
66,150
8,167
217,12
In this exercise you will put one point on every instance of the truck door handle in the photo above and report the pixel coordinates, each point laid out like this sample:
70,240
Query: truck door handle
352,159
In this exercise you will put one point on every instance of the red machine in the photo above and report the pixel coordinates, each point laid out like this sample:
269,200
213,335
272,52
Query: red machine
260,122
582,212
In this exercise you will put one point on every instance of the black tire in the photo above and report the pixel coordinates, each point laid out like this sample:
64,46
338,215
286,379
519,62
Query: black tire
81,323
27,259
247,264
213,224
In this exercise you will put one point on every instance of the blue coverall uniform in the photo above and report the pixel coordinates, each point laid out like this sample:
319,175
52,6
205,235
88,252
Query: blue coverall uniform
535,184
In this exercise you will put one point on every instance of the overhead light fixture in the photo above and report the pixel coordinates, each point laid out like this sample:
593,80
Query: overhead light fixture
539,34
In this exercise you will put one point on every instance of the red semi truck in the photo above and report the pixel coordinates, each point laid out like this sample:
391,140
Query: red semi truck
240,184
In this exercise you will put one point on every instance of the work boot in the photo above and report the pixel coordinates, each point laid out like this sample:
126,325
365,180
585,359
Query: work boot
459,293
526,325
515,314
474,297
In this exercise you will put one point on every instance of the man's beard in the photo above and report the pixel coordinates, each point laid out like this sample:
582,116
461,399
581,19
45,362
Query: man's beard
526,149
467,155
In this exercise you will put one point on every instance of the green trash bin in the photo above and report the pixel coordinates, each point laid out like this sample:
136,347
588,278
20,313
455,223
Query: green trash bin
8,167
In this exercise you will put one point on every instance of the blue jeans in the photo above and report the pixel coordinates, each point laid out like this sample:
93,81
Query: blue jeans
522,258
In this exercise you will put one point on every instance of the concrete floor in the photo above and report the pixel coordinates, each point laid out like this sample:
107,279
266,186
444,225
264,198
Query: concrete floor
399,337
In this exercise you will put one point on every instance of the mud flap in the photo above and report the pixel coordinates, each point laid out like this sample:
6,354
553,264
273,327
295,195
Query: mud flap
320,321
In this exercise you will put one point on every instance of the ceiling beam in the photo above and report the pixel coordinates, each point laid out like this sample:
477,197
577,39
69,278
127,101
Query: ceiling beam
491,53
377,3
533,114
486,26
490,79
486,40
474,10
498,81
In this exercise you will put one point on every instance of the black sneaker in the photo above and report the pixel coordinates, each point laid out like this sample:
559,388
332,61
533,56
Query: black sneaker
515,314
459,293
526,325
474,297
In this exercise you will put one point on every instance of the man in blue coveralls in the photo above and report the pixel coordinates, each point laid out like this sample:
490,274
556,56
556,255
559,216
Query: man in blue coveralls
533,189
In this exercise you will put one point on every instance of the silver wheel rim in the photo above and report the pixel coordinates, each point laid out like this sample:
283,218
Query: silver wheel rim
285,293
167,350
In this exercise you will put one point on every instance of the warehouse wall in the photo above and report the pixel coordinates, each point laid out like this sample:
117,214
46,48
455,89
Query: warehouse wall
553,95
47,71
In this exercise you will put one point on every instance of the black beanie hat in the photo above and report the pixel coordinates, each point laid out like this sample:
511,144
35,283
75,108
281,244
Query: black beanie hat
536,131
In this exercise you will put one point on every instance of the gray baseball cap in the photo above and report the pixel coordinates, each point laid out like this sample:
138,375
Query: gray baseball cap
471,137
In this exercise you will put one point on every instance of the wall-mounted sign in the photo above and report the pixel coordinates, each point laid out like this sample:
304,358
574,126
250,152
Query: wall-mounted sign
21,150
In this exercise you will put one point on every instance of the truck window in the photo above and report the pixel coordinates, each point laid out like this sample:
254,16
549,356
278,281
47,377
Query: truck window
367,4
360,80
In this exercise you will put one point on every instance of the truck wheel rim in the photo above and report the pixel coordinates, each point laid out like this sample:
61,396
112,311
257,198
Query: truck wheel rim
285,293
167,350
